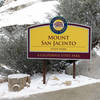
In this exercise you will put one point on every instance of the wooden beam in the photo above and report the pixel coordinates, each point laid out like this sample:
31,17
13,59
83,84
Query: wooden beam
74,70
44,71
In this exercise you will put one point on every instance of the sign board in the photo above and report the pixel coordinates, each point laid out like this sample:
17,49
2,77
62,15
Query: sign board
59,40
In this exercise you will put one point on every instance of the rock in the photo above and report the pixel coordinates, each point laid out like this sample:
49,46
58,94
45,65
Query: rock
3,79
90,68
55,78
6,71
17,82
68,83
1,3
69,70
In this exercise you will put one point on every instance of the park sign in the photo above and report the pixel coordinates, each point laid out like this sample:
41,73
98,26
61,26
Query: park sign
59,40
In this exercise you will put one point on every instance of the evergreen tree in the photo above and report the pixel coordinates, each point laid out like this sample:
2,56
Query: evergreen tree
86,12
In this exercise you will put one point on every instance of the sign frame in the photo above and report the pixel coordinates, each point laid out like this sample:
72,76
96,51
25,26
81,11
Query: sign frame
32,55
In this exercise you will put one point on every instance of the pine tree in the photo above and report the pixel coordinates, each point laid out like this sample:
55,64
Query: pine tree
86,12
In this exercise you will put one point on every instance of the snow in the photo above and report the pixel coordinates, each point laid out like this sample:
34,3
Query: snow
6,67
17,76
15,3
2,77
35,11
54,82
97,50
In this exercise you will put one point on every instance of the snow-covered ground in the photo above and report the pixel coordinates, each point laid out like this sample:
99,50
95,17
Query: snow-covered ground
54,82
27,12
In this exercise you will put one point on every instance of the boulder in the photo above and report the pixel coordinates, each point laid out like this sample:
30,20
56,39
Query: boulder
67,83
4,71
17,82
90,68
3,79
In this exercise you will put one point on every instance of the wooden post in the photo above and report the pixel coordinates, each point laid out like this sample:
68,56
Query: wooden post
74,70
44,71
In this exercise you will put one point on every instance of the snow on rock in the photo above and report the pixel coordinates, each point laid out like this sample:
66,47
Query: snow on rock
3,79
17,76
17,2
97,49
5,67
6,70
28,12
54,82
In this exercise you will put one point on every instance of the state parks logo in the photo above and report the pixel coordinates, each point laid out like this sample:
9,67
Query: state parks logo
58,25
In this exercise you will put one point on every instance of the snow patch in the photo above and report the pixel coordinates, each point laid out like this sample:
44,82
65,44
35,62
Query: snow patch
16,3
54,82
97,50
5,67
17,76
36,12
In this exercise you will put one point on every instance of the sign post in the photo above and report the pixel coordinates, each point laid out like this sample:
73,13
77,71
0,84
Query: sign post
44,71
59,40
74,69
